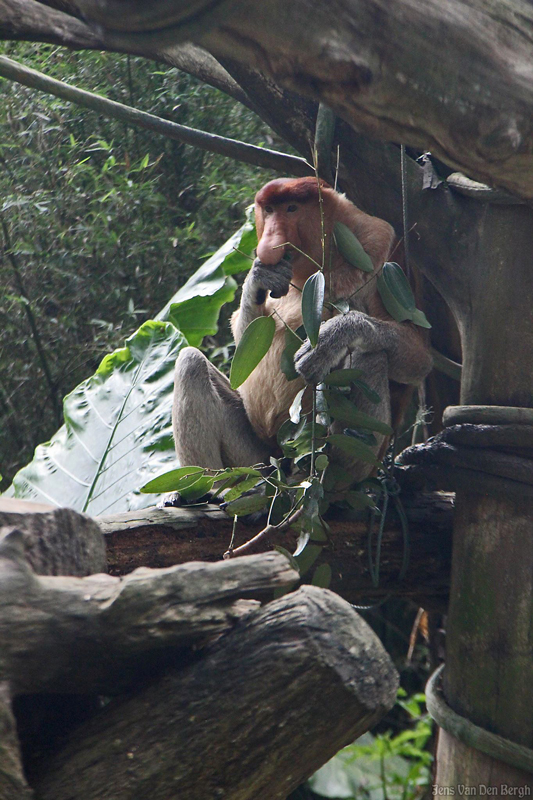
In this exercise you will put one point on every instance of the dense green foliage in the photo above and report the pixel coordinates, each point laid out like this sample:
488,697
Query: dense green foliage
104,223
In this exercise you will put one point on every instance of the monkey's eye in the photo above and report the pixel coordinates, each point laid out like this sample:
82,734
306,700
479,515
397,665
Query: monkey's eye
292,208
268,209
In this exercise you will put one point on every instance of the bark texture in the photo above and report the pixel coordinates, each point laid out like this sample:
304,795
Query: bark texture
454,78
101,634
267,704
489,672
161,537
58,542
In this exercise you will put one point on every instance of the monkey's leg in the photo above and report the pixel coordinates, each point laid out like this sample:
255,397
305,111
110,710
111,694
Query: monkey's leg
376,374
209,422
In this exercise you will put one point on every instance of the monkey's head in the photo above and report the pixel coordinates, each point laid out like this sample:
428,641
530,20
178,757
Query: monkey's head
287,210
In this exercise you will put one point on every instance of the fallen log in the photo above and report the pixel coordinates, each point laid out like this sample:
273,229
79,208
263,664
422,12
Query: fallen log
160,537
266,705
101,633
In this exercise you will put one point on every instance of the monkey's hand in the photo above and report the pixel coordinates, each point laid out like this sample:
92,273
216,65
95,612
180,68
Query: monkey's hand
263,278
337,337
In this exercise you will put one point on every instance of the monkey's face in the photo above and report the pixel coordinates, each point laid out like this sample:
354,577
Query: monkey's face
290,227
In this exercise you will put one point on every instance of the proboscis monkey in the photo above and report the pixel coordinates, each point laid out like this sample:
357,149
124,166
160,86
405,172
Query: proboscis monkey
215,426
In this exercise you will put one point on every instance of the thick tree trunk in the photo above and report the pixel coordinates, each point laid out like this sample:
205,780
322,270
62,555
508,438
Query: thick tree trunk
489,666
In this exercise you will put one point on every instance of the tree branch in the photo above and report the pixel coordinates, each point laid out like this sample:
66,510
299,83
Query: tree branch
100,633
250,154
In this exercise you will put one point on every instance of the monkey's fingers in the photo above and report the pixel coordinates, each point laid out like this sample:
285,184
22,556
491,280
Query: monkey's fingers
275,279
314,363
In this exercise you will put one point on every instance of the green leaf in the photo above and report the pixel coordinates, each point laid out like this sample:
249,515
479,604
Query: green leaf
318,530
419,318
336,477
303,439
345,411
351,248
394,276
171,481
324,132
359,500
117,430
312,305
397,295
322,576
369,393
198,317
292,345
321,462
197,489
248,504
296,407
195,307
364,436
341,305
301,544
237,472
289,556
342,377
253,346
243,486
308,556
353,447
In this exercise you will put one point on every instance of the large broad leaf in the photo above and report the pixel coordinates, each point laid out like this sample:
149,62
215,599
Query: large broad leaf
351,774
117,431
77,467
253,346
312,305
194,309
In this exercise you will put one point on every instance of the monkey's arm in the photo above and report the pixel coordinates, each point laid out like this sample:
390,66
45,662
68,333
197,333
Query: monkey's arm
409,360
260,280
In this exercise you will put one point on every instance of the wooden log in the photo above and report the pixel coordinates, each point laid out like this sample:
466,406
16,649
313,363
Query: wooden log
56,541
101,633
160,537
267,705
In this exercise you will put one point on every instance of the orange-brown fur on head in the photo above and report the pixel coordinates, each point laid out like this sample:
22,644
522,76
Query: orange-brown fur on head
297,211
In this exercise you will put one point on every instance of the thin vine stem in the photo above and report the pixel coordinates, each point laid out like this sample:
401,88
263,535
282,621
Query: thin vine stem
268,529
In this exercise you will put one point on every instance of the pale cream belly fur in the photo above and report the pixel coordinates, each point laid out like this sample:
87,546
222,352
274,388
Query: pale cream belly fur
267,394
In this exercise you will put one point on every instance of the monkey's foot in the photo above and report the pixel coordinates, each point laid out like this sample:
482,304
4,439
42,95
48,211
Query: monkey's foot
176,500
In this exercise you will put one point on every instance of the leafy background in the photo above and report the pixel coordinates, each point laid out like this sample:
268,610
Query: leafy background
105,221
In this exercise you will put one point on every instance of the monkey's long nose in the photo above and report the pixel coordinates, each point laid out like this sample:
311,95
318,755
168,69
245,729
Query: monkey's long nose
270,249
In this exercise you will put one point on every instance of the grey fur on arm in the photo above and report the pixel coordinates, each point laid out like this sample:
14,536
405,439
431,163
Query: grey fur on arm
408,360
260,280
